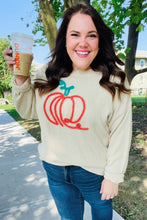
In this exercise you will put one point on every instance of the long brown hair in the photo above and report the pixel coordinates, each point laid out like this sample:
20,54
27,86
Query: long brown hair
106,60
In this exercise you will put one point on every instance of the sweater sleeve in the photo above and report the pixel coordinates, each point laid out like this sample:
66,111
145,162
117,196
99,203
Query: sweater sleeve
120,127
24,97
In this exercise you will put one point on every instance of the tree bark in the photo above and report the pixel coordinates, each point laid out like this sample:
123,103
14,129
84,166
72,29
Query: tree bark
130,57
77,1
49,22
141,71
69,3
133,40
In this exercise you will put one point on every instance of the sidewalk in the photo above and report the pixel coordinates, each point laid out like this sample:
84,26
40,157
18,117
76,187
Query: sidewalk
24,193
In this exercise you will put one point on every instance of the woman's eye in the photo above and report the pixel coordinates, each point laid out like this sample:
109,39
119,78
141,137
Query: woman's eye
92,35
75,35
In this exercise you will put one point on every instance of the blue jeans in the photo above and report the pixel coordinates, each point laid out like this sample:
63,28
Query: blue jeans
70,186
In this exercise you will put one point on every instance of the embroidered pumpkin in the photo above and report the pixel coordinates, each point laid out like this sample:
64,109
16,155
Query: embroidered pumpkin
55,108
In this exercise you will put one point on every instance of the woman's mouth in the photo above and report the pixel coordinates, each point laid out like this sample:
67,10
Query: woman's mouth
82,54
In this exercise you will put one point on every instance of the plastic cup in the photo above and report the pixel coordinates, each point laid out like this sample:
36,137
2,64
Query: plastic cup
22,51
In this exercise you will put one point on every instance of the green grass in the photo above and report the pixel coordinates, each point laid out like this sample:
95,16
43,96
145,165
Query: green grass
12,111
139,99
132,197
131,200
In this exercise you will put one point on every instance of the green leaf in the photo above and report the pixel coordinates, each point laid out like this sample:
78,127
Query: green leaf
127,50
122,56
140,28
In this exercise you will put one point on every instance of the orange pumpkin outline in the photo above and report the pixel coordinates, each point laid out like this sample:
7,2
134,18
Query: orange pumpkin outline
57,102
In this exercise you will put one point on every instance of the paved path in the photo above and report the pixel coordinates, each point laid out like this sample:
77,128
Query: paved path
24,193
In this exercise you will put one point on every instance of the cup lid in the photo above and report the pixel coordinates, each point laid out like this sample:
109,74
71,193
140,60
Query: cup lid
21,35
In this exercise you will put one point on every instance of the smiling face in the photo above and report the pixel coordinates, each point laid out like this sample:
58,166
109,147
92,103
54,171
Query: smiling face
81,41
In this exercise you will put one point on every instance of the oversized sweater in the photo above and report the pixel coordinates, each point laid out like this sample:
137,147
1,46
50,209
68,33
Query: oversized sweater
80,123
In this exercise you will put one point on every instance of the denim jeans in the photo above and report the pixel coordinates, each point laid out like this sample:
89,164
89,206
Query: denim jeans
70,186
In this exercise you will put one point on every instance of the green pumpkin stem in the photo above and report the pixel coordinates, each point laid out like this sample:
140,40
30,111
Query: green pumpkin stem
66,89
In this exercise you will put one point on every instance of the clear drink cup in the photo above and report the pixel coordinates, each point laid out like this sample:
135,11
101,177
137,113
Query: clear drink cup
22,51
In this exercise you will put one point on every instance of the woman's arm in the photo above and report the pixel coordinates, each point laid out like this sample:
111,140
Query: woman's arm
120,127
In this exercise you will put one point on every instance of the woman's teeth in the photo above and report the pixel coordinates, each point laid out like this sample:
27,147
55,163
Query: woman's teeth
82,53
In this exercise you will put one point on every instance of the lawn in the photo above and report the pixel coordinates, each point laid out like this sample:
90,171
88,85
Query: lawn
132,198
139,99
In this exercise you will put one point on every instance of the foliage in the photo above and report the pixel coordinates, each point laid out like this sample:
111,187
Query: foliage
137,11
58,9
5,74
117,14
38,26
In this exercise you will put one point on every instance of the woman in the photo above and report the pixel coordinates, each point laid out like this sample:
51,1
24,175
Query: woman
83,104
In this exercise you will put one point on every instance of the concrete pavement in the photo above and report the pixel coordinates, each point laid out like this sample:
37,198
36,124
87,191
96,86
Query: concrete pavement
24,193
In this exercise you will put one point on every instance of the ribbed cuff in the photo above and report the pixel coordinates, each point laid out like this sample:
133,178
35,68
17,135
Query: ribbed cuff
24,87
115,178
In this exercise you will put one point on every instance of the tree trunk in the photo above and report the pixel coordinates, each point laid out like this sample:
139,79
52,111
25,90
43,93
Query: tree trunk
77,1
69,3
49,22
130,57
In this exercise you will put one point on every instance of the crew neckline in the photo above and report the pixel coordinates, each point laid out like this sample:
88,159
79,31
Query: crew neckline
83,71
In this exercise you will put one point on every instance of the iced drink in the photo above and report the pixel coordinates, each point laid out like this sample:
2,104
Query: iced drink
22,51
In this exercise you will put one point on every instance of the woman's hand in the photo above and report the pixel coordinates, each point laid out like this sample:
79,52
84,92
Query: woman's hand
9,59
108,189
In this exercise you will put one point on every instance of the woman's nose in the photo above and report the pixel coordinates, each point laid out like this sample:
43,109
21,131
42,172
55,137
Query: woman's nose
83,42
